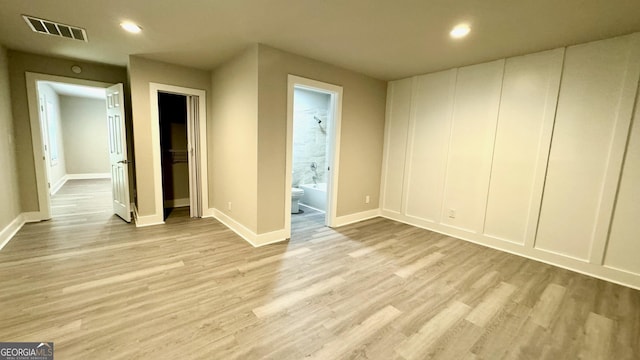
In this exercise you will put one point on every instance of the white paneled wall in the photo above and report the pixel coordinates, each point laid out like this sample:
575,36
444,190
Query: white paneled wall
525,155
397,122
623,251
527,109
590,100
473,128
429,132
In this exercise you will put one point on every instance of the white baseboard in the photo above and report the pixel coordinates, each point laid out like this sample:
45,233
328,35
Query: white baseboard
63,180
10,230
32,216
57,186
594,270
88,176
134,212
312,208
256,240
14,226
357,217
177,203
147,220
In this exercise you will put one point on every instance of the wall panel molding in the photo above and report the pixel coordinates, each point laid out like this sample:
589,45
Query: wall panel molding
523,137
535,149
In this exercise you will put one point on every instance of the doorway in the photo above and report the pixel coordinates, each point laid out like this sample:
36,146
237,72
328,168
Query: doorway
172,114
178,138
313,138
75,149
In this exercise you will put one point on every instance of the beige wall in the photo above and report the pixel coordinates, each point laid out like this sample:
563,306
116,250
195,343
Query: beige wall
19,64
363,115
10,208
84,126
233,139
141,73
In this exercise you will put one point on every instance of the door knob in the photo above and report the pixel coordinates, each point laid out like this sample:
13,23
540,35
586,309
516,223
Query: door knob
123,161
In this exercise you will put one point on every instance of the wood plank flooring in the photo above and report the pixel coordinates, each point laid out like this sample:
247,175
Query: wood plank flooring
82,197
192,289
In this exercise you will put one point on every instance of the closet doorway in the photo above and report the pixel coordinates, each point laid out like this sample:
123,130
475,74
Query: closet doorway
178,119
172,113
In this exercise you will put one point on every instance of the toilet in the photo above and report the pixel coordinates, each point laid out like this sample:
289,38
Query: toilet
296,195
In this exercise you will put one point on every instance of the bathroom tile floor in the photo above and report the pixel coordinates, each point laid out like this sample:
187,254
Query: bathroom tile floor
309,221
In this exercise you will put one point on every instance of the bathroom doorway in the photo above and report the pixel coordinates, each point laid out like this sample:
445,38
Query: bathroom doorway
313,132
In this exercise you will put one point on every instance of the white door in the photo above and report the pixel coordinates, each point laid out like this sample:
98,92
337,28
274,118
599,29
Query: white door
118,152
44,125
193,146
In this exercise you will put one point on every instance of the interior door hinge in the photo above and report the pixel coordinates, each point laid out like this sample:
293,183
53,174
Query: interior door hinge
49,184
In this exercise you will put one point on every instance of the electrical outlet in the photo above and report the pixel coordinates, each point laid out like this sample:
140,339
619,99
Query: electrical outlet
452,213
367,199
229,206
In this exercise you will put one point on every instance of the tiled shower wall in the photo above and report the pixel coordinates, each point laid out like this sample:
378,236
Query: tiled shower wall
309,136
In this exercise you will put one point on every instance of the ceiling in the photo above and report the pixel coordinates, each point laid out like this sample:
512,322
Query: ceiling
386,39
77,90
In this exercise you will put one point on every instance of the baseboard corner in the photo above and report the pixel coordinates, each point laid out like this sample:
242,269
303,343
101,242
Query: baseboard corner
147,220
11,230
356,217
256,240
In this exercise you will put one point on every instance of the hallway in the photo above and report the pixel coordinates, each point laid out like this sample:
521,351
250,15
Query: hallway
85,198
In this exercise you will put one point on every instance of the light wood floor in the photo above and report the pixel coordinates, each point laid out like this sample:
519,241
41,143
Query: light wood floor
83,197
192,289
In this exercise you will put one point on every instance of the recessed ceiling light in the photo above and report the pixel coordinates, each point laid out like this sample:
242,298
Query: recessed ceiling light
131,27
460,31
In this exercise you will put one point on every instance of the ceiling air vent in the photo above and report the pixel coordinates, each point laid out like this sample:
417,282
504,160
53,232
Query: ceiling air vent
43,26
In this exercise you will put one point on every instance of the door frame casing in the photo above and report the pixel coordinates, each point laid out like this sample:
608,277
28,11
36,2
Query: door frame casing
154,89
31,79
333,156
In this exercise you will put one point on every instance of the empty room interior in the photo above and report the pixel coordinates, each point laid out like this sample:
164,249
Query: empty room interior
324,180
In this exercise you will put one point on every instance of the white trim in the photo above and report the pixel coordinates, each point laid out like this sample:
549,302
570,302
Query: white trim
616,154
63,180
173,203
256,240
556,259
334,156
57,186
148,220
357,217
88,176
10,230
15,225
42,186
385,145
143,221
311,207
134,210
154,88
32,216
544,150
